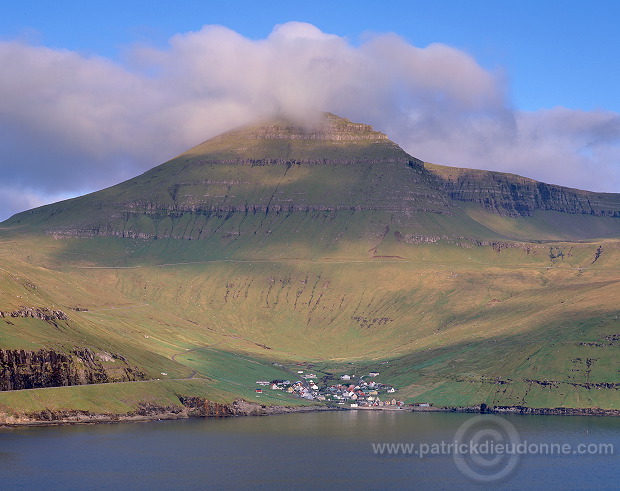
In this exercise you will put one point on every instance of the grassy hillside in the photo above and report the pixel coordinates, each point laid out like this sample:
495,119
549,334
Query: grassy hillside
457,325
327,248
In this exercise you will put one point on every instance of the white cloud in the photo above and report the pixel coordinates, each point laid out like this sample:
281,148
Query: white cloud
69,123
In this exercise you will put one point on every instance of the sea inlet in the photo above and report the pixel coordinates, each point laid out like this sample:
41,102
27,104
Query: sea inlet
323,450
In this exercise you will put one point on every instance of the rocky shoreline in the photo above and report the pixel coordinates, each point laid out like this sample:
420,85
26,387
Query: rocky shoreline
192,407
485,409
196,407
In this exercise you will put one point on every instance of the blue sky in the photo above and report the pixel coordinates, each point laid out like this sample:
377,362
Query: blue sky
538,93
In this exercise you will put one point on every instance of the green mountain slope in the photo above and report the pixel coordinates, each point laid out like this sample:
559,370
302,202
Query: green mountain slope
327,245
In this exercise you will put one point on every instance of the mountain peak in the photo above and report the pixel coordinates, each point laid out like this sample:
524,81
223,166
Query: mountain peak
328,128
326,137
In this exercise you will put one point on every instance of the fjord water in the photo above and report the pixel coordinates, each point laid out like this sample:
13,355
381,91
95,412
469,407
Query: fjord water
326,450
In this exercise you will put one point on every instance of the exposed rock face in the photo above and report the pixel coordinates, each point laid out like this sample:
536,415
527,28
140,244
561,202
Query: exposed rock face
20,369
37,313
207,409
511,195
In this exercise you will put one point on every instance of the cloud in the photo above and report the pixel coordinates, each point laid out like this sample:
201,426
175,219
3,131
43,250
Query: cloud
17,199
70,123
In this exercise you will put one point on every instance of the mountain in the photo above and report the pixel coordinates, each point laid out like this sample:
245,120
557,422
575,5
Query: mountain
277,170
322,244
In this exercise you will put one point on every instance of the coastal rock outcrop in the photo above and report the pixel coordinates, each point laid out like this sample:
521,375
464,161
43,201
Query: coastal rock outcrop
21,369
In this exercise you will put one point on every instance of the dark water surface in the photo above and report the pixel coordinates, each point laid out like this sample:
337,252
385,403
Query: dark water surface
328,450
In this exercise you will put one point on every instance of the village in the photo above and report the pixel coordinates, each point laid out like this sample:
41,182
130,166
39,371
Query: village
355,392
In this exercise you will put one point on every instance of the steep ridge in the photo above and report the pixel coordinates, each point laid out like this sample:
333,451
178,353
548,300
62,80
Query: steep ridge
512,195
